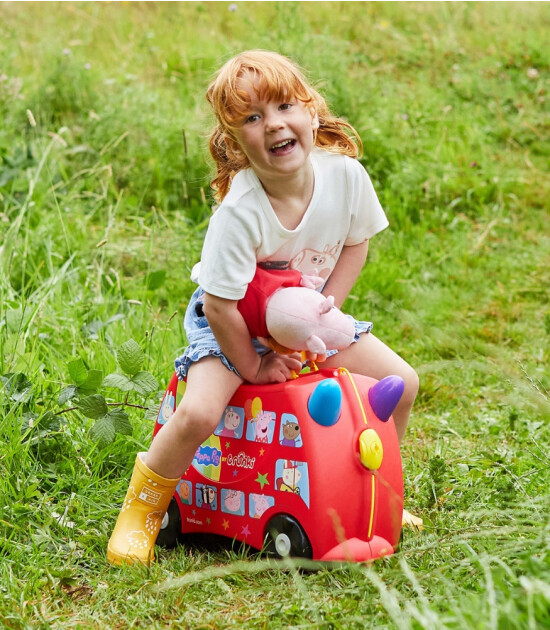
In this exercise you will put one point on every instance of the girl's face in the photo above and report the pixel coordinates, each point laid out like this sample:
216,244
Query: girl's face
276,136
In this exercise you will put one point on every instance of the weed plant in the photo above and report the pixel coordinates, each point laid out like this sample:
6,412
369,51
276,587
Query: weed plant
104,200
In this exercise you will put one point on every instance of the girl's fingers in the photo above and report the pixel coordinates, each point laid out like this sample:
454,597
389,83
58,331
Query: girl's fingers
294,362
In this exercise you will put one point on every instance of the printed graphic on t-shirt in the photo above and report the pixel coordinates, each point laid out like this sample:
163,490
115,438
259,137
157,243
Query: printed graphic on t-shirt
311,262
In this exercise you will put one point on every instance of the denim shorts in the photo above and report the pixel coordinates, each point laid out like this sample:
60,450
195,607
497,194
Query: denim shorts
202,342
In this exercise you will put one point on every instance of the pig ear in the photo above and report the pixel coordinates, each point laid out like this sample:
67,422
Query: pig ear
315,344
295,262
326,305
312,280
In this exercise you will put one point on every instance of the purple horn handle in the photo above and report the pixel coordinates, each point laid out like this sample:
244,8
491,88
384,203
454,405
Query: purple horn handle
384,396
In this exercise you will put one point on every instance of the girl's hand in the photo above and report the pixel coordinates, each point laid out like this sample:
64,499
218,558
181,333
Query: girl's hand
314,357
232,334
277,368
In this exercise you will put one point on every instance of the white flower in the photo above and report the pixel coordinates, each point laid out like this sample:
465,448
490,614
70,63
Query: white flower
30,118
62,520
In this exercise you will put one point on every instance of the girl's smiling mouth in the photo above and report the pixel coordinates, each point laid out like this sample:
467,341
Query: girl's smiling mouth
280,148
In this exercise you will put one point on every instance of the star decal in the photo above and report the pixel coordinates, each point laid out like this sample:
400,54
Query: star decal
208,521
235,473
194,512
262,480
225,524
262,451
227,444
245,531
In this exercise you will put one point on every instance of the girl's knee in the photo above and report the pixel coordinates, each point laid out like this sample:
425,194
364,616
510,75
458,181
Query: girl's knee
195,421
412,383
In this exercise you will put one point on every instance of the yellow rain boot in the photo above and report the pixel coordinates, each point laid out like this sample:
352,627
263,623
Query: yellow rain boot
412,521
138,523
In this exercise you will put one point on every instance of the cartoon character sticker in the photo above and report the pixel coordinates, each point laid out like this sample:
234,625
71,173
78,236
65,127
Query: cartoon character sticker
206,497
258,504
232,423
233,502
185,491
167,408
261,424
292,476
289,434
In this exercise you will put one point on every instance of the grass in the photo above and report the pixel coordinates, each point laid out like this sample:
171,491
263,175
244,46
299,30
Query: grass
103,204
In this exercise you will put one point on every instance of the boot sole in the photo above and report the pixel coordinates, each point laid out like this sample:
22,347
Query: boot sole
118,559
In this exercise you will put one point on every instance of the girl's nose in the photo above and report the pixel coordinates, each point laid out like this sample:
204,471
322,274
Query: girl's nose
273,121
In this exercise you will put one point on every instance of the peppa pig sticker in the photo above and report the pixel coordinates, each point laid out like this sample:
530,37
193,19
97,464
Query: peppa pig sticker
292,476
260,423
258,504
206,497
232,423
185,492
290,433
233,502
167,408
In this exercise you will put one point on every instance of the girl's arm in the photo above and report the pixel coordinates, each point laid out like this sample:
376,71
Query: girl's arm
232,334
343,276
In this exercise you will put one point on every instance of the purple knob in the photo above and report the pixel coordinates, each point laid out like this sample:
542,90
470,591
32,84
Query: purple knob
384,396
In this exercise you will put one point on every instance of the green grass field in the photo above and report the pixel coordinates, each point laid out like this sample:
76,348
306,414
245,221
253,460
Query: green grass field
104,200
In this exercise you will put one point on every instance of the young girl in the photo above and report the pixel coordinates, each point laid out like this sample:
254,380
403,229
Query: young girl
292,196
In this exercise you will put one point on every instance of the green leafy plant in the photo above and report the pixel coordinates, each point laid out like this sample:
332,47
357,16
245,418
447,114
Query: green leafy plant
110,417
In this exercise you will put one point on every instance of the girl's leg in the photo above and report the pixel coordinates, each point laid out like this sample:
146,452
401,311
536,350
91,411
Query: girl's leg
370,357
210,386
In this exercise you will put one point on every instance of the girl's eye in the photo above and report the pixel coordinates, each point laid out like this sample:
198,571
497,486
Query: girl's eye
284,106
252,118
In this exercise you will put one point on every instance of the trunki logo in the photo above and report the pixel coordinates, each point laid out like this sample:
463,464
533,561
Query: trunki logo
242,460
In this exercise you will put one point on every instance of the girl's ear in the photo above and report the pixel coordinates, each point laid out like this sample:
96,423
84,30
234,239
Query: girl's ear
233,148
229,142
314,120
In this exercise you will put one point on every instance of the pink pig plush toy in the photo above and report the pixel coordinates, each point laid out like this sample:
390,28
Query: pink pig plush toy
283,309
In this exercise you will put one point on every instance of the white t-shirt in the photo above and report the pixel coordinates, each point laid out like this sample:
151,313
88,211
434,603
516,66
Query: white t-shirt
245,231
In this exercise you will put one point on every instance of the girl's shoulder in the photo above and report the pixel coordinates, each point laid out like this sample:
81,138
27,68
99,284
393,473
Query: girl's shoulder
242,184
241,209
341,170
336,161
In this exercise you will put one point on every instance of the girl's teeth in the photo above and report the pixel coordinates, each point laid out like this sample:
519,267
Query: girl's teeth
281,144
